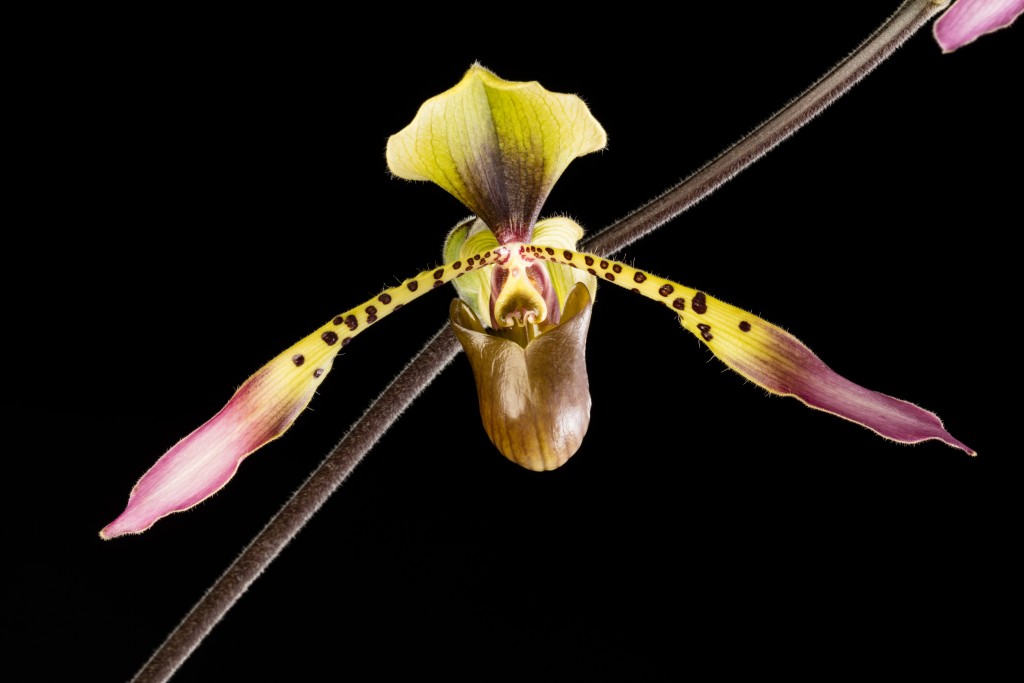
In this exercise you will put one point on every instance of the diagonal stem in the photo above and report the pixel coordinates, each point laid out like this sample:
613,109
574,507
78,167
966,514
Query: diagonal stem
905,22
435,356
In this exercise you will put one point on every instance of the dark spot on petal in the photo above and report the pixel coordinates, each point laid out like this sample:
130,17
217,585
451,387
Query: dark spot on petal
438,283
298,359
371,310
412,285
370,319
745,326
397,306
438,273
617,268
339,320
639,277
666,290
318,372
351,322
468,268
699,303
384,298
345,341
567,254
487,254
329,337
609,276
589,260
604,265
679,304
705,331
591,271
457,265
634,289
551,252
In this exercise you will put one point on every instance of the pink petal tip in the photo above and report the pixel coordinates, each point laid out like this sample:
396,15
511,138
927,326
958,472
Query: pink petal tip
204,461
967,20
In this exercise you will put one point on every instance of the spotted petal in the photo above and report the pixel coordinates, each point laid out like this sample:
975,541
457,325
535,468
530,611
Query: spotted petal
205,460
768,355
968,20
498,146
264,407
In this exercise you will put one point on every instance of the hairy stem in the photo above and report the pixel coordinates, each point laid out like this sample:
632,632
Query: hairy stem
441,349
905,22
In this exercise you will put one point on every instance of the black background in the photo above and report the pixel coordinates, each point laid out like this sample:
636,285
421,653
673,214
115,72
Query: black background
203,191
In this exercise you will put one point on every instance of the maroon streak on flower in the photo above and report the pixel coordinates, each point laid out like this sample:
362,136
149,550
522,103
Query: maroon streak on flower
967,20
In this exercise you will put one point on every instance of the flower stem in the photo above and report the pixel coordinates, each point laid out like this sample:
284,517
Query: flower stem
441,349
905,22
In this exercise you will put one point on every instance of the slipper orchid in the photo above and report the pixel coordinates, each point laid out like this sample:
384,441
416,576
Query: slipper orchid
524,306
968,20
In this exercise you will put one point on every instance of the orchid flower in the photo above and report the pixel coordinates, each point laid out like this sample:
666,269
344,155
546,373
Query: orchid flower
967,20
525,300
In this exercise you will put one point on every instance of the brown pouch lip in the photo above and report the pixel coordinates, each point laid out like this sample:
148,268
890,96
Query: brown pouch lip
534,401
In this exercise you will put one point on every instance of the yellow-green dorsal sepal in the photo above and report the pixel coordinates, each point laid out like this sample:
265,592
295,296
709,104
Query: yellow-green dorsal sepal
498,146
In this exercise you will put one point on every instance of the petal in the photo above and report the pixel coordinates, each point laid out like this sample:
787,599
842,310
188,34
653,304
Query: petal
498,146
264,407
771,357
205,460
967,20
534,401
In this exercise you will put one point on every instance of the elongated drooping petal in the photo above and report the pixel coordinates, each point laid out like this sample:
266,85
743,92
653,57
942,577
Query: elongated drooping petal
263,408
534,401
768,355
201,463
498,146
967,20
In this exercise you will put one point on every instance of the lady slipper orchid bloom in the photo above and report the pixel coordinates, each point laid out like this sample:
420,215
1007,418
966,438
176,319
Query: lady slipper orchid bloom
523,312
968,20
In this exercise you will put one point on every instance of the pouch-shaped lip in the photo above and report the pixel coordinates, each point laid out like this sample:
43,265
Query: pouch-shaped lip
534,400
